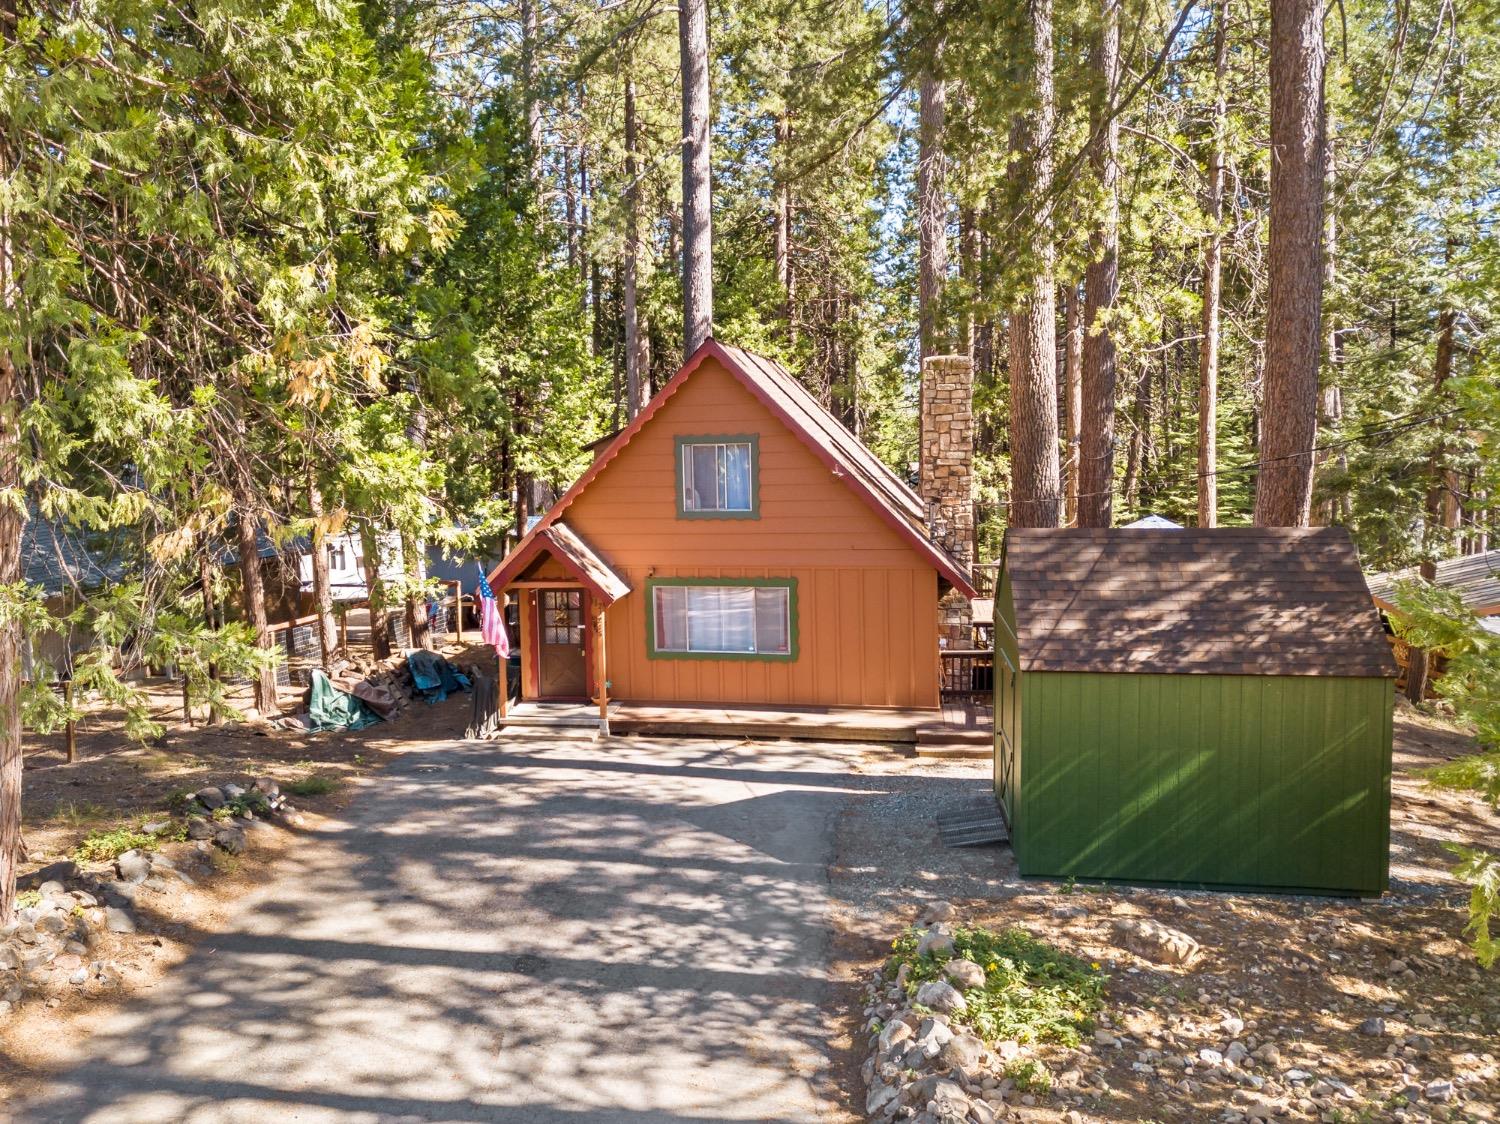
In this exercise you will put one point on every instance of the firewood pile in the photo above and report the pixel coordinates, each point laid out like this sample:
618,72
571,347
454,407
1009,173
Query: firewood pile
385,686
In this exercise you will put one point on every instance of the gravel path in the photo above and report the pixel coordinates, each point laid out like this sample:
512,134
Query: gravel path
537,930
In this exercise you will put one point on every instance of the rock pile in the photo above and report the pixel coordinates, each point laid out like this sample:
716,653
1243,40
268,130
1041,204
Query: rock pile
69,906
921,1066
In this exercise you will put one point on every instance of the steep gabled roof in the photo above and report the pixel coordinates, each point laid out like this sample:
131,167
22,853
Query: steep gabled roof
830,442
576,556
1475,577
1223,601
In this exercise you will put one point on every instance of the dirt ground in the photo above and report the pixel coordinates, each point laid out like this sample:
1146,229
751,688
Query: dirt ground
116,782
1302,974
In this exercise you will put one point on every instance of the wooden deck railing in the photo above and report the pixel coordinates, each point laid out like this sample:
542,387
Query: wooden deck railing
968,673
985,574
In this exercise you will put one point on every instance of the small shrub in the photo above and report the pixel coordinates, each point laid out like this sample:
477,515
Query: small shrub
25,899
311,786
1029,1076
111,843
1033,992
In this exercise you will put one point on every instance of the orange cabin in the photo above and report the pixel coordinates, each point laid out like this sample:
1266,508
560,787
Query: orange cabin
733,545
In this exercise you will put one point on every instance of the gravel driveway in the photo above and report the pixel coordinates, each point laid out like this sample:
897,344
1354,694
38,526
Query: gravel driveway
538,929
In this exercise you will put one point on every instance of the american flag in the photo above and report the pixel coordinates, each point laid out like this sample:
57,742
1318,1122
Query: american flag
491,626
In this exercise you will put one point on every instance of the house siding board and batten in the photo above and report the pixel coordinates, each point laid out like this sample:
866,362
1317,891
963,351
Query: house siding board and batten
1250,747
866,593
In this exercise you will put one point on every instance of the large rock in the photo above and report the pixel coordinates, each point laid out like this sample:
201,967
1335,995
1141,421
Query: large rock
964,974
64,871
939,996
232,839
265,786
118,920
232,791
936,941
938,911
1157,943
134,866
949,1104
210,797
200,828
892,1035
962,1051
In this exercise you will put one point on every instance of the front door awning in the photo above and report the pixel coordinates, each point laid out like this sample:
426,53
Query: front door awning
576,556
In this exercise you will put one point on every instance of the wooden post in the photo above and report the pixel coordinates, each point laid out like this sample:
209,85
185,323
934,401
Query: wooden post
501,600
71,730
600,670
458,610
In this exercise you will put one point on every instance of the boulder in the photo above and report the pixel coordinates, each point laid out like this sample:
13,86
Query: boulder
118,920
210,797
134,866
940,996
893,1034
936,941
231,839
157,827
964,974
938,911
64,871
961,1052
265,786
1157,943
200,828
1374,1027
232,791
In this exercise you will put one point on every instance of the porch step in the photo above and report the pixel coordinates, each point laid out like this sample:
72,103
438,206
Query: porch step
939,733
954,751
973,824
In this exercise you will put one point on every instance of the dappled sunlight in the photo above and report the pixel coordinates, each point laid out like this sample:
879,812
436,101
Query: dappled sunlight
520,930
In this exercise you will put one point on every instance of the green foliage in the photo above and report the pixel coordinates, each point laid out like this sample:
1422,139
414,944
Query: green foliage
1033,992
25,899
104,844
1480,871
311,786
1029,1076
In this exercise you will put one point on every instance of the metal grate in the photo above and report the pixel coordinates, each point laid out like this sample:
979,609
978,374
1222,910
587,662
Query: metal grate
973,823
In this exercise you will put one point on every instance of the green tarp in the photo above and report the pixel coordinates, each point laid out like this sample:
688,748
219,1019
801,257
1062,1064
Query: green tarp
328,708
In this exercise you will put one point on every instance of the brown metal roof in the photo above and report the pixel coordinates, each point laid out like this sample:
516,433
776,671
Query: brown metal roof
1226,601
576,556
840,450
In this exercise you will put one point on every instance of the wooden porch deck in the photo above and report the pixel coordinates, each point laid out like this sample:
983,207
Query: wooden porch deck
956,730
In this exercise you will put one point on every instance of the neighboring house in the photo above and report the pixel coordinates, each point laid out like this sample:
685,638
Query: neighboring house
733,545
1474,577
1200,707
63,563
346,565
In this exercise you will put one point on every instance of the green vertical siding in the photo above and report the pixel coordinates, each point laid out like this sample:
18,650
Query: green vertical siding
1274,782
1007,704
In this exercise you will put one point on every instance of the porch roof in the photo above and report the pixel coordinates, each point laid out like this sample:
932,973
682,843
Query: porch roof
576,556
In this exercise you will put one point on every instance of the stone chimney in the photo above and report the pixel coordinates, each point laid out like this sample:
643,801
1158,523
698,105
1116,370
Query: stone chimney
946,479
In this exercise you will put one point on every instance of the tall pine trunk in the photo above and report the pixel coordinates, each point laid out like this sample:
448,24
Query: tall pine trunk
1208,351
1072,400
253,601
635,342
11,525
932,211
1101,282
1294,288
697,197
1035,477
328,637
785,278
369,543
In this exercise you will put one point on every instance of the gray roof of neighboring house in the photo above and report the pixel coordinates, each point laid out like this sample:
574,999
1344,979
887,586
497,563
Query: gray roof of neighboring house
1475,577
57,558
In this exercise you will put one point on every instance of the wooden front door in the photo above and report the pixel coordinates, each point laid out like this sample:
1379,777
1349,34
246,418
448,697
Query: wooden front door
562,671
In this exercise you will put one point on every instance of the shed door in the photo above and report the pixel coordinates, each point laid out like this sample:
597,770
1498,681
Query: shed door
563,665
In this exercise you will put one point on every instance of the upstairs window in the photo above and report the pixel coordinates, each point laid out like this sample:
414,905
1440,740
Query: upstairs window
694,618
717,477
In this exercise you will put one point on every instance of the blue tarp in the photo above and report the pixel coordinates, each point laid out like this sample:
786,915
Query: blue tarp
434,677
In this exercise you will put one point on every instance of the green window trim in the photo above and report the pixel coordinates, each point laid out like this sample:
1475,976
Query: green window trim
684,440
793,645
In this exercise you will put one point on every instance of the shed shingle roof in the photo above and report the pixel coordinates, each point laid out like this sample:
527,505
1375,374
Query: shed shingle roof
1226,601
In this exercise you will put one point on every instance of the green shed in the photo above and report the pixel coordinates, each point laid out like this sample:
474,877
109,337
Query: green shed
1193,707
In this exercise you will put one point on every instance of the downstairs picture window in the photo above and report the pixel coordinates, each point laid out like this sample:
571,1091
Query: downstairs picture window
709,620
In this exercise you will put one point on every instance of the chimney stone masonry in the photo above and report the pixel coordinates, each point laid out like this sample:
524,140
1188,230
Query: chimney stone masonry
946,479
